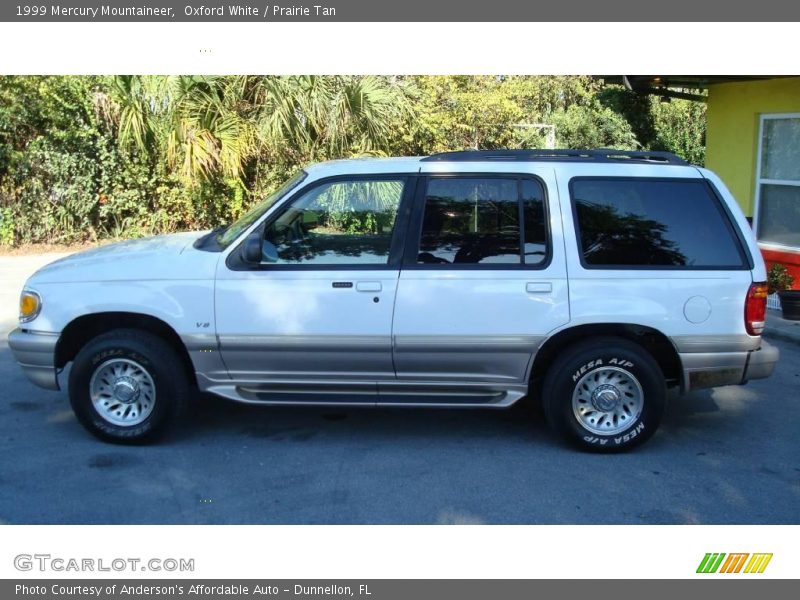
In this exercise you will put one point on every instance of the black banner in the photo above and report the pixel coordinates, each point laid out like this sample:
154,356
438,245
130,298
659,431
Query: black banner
407,10
733,588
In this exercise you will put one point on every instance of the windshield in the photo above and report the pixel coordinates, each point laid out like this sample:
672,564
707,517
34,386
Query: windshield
232,231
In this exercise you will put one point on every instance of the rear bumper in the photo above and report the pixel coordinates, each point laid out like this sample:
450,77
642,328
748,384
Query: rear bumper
713,369
761,363
36,353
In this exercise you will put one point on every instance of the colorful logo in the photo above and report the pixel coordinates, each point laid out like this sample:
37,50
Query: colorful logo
717,562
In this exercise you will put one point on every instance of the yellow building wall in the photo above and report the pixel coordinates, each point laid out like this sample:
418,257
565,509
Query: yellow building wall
732,129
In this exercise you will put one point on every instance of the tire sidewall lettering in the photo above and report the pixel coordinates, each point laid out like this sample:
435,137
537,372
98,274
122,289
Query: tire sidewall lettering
104,355
637,429
601,362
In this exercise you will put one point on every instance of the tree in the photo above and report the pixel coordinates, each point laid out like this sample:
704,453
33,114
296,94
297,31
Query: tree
83,157
592,127
669,124
463,112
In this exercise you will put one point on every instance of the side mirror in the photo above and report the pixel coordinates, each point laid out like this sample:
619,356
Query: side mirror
251,249
256,250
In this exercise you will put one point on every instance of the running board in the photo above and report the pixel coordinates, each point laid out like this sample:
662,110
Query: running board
367,398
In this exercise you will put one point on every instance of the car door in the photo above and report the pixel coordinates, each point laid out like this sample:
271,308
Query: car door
483,279
317,318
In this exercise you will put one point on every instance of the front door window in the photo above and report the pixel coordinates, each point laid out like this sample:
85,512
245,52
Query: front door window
339,223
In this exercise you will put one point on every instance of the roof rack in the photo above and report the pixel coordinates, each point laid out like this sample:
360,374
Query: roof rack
596,155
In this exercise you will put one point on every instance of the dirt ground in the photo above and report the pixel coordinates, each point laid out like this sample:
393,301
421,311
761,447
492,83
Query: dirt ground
31,249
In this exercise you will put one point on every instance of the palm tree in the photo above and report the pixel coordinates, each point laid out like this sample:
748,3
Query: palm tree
207,125
326,117
191,120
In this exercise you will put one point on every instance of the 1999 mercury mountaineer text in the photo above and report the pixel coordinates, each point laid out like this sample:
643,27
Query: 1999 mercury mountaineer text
589,280
92,12
265,11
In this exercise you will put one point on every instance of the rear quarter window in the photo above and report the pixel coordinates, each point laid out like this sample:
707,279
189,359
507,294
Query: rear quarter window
653,223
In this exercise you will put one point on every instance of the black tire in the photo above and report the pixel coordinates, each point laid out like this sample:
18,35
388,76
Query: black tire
591,363
160,362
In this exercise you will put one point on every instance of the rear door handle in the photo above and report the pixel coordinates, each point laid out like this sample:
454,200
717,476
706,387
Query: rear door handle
369,286
539,287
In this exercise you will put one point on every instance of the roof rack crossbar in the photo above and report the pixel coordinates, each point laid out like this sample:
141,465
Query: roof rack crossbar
595,155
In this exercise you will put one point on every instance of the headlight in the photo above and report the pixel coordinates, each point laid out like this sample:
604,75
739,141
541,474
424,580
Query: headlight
30,304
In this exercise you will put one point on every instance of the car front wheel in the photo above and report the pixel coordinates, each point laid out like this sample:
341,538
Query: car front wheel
127,386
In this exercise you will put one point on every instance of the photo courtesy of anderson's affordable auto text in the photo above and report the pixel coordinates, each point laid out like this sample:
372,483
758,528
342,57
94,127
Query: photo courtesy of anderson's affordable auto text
400,299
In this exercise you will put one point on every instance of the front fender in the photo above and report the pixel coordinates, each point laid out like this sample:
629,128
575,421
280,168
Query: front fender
187,305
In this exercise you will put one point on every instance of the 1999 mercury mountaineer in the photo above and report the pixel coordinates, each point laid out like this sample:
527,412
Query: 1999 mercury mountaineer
591,280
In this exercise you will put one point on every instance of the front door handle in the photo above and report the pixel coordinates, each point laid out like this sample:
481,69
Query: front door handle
539,287
369,286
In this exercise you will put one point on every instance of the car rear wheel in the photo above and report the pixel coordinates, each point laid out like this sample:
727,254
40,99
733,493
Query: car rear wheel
605,394
127,386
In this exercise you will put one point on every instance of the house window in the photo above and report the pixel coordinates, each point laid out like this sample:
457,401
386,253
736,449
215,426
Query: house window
778,181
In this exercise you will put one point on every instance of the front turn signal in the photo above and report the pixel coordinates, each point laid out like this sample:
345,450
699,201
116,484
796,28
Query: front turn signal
30,305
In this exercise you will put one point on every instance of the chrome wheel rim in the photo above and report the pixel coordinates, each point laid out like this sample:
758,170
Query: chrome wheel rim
122,392
607,401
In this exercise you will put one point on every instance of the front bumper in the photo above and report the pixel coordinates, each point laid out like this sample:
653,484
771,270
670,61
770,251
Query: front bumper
36,354
713,369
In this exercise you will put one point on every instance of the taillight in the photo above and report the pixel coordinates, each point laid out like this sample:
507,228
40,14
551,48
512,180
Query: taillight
755,308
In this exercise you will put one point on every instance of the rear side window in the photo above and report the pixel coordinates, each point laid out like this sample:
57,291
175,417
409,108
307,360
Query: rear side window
653,223
483,221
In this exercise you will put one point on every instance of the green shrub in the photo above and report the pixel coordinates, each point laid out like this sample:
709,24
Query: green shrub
6,227
779,279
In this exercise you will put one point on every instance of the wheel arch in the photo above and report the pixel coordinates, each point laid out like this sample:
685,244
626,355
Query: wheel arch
652,340
85,328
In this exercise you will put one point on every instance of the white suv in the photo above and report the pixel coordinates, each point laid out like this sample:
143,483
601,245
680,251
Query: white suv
592,280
